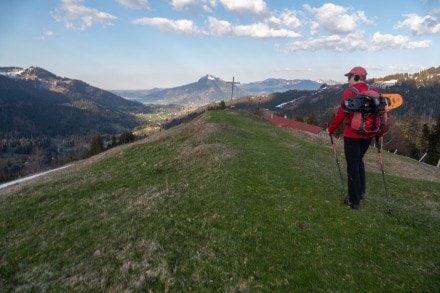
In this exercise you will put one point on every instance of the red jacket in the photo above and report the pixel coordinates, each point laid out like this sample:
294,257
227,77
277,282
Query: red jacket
341,115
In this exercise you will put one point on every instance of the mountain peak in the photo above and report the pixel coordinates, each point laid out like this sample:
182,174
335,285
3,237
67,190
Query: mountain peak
209,77
38,73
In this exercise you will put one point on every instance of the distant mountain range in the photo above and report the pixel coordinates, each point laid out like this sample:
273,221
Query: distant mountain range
276,85
210,89
204,91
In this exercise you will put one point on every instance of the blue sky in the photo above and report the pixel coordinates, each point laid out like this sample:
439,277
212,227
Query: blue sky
142,44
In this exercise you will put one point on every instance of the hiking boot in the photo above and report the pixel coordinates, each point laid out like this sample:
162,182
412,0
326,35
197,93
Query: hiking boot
354,206
351,205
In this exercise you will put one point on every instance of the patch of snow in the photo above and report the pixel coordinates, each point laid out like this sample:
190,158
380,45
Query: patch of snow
31,177
12,73
283,104
329,82
390,82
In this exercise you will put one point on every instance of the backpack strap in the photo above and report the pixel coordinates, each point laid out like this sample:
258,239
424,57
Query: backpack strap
356,91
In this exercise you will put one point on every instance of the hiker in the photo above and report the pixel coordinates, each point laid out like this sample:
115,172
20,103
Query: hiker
355,145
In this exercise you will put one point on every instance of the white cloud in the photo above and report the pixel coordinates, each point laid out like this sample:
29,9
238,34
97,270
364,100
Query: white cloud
262,30
46,35
135,4
333,43
290,19
183,26
427,25
335,19
220,27
340,22
387,41
287,18
397,69
345,35
245,6
255,30
74,15
354,42
193,5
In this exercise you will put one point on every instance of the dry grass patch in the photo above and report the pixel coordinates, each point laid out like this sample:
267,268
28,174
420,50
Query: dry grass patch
212,154
147,198
399,166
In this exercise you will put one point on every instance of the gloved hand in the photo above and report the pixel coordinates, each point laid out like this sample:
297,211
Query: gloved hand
326,129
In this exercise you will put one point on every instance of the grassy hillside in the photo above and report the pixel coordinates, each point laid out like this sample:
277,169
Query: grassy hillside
227,202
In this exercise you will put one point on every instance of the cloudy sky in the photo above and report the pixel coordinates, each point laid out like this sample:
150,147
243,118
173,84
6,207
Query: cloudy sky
142,44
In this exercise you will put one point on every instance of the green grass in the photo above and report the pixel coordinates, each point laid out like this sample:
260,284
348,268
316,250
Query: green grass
227,202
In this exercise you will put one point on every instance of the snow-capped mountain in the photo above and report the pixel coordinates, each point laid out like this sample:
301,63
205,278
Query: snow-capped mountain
330,82
206,90
11,72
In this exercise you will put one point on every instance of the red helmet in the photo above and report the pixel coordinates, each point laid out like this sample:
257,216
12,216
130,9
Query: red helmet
358,70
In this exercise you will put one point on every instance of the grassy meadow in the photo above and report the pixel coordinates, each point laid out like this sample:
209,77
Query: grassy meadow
225,203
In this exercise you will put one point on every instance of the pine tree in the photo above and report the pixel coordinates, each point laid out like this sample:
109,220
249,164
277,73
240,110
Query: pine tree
114,142
126,137
412,132
434,143
97,145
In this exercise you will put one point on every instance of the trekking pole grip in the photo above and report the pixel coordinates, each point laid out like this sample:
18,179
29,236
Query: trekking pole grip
331,137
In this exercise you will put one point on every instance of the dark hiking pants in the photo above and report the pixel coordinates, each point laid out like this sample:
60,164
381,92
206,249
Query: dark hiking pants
355,150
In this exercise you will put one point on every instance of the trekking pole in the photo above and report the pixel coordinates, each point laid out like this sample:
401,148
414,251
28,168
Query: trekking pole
338,164
379,146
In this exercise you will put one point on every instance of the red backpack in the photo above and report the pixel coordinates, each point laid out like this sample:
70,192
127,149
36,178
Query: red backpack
367,111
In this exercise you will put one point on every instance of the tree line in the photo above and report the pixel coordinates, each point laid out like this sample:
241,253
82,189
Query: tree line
23,156
412,137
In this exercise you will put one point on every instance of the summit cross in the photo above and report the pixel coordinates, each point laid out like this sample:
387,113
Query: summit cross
233,82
